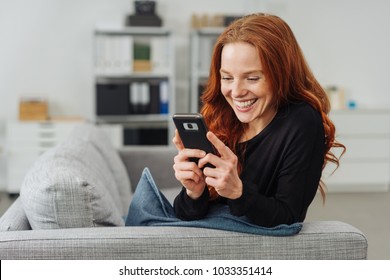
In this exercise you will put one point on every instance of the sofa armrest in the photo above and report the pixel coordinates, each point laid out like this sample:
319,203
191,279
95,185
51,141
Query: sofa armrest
14,218
317,240
159,159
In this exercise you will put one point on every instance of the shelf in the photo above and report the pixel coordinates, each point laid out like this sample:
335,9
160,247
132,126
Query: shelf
133,118
140,76
135,81
133,31
202,44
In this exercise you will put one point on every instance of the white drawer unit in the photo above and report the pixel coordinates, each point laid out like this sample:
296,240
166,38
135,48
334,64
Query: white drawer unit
366,164
25,141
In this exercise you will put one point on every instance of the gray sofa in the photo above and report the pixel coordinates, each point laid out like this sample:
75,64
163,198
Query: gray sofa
72,197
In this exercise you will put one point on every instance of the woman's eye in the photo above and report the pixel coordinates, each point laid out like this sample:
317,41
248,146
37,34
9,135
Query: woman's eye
253,78
227,78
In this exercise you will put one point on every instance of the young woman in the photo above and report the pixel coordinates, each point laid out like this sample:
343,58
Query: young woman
268,120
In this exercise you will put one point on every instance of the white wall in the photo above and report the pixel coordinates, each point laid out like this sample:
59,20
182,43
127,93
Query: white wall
347,43
46,46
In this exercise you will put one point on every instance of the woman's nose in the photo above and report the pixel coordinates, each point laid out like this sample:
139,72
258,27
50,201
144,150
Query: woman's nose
238,89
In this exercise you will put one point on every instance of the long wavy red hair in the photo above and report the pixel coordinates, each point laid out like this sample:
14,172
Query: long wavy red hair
285,68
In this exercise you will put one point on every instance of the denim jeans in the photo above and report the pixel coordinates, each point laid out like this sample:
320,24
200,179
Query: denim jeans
149,207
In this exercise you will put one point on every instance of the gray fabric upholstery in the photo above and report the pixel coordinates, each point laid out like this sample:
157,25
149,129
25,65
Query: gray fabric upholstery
96,137
317,240
14,218
159,159
71,186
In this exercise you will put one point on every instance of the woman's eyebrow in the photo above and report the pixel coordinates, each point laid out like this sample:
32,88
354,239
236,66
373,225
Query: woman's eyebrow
257,71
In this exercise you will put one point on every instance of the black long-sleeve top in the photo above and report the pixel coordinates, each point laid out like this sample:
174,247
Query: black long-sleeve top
282,167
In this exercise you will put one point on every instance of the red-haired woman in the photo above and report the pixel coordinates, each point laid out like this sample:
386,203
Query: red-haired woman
268,120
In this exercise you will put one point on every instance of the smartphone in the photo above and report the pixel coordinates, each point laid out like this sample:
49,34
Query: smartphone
192,130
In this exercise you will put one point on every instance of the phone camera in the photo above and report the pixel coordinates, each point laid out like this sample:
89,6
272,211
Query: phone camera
191,126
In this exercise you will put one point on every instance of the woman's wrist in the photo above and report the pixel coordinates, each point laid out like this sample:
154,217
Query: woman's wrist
238,191
194,195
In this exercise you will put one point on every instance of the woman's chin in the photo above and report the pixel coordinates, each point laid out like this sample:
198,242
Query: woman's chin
244,118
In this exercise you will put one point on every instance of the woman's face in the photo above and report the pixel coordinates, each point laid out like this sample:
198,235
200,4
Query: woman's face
244,85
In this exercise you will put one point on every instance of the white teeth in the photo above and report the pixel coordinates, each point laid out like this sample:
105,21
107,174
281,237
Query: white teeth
244,104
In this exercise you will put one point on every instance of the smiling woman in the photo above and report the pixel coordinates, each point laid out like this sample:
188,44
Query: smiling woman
268,120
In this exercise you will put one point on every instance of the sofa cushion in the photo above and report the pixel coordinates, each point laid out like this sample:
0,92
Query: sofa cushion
71,185
96,137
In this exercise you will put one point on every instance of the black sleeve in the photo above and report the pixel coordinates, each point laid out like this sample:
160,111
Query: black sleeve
188,209
294,183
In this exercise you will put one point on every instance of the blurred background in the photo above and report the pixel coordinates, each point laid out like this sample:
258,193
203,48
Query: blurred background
47,52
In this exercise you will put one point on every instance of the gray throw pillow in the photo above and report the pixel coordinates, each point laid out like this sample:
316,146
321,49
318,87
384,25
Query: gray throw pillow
97,137
71,186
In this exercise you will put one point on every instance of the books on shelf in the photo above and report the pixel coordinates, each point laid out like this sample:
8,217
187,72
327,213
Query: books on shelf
149,97
113,55
125,55
141,57
135,98
160,55
139,97
164,97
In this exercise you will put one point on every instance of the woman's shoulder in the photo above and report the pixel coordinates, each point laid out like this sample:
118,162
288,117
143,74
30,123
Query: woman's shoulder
299,118
301,112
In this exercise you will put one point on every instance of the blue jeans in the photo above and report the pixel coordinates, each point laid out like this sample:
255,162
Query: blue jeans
149,207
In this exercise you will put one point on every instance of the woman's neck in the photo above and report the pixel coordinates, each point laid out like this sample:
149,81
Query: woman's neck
258,125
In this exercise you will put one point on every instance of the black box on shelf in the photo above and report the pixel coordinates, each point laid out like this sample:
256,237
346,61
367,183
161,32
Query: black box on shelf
112,99
155,98
145,136
143,20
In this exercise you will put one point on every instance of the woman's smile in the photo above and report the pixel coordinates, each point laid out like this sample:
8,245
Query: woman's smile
245,105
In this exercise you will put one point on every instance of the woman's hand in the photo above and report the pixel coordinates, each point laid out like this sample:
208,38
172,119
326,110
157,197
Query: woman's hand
187,172
224,177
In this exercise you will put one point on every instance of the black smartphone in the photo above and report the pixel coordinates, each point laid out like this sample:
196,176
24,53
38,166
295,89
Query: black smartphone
192,130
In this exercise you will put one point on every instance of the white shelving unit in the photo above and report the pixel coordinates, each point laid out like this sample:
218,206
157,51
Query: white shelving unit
26,141
202,43
365,167
116,66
